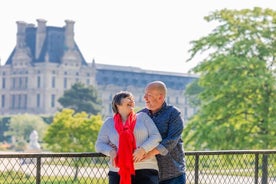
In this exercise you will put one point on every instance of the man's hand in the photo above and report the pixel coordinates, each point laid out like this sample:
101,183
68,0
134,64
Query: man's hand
151,154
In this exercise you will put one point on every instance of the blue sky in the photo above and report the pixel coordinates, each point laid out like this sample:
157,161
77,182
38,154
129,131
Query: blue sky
150,34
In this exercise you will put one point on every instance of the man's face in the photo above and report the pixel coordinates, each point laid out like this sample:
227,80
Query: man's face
152,99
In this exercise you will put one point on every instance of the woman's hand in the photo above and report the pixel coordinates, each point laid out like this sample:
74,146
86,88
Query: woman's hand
113,154
138,154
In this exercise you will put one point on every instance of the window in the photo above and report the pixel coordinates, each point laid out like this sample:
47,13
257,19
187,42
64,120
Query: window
13,83
3,101
38,82
38,100
26,82
20,83
87,82
185,100
53,82
13,101
53,98
65,83
3,83
25,101
185,111
19,101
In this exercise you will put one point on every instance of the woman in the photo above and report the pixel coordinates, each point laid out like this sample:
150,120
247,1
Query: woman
126,138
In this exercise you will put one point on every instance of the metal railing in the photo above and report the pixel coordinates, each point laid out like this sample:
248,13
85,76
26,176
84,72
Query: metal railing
202,167
231,167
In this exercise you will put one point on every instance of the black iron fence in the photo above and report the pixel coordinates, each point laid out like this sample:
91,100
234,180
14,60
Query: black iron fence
202,167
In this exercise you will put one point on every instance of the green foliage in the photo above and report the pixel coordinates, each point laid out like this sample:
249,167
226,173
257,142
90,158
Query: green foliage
47,119
191,92
73,132
4,127
81,99
21,126
237,108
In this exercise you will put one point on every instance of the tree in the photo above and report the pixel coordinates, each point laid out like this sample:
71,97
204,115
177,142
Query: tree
21,126
191,92
81,99
238,101
73,132
3,128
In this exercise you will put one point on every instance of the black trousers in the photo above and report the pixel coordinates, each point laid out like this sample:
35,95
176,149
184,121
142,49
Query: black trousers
142,176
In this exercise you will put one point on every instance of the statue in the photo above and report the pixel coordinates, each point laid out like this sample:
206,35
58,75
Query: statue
34,145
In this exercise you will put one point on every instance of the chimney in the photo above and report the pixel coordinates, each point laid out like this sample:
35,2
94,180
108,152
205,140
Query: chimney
40,36
69,34
21,34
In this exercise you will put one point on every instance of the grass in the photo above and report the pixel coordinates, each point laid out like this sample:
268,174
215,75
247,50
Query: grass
15,177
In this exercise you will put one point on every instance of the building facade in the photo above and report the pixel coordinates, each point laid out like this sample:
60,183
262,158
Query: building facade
46,61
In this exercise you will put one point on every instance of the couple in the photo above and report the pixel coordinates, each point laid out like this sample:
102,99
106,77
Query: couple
144,148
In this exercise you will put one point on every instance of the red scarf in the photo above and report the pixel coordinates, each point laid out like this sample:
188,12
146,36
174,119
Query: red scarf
127,145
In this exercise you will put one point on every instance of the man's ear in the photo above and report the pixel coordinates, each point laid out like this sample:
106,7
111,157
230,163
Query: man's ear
161,97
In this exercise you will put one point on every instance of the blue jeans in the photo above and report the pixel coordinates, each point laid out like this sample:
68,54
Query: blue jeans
178,180
142,176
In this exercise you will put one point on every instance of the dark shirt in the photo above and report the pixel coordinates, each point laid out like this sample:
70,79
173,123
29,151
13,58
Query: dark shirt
171,161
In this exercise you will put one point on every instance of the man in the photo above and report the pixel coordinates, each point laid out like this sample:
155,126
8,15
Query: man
170,152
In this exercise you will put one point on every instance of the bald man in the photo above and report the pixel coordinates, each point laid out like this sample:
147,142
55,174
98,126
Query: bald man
167,118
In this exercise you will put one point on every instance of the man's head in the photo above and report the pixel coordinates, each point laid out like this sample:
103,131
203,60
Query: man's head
155,95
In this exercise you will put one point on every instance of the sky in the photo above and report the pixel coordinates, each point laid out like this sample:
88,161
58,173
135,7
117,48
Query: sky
149,34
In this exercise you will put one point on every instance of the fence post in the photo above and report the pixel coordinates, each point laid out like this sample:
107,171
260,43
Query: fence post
196,168
38,170
264,169
256,168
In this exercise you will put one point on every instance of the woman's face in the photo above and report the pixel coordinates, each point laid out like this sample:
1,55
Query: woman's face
127,105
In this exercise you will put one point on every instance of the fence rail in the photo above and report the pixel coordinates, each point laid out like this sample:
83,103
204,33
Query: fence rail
202,167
